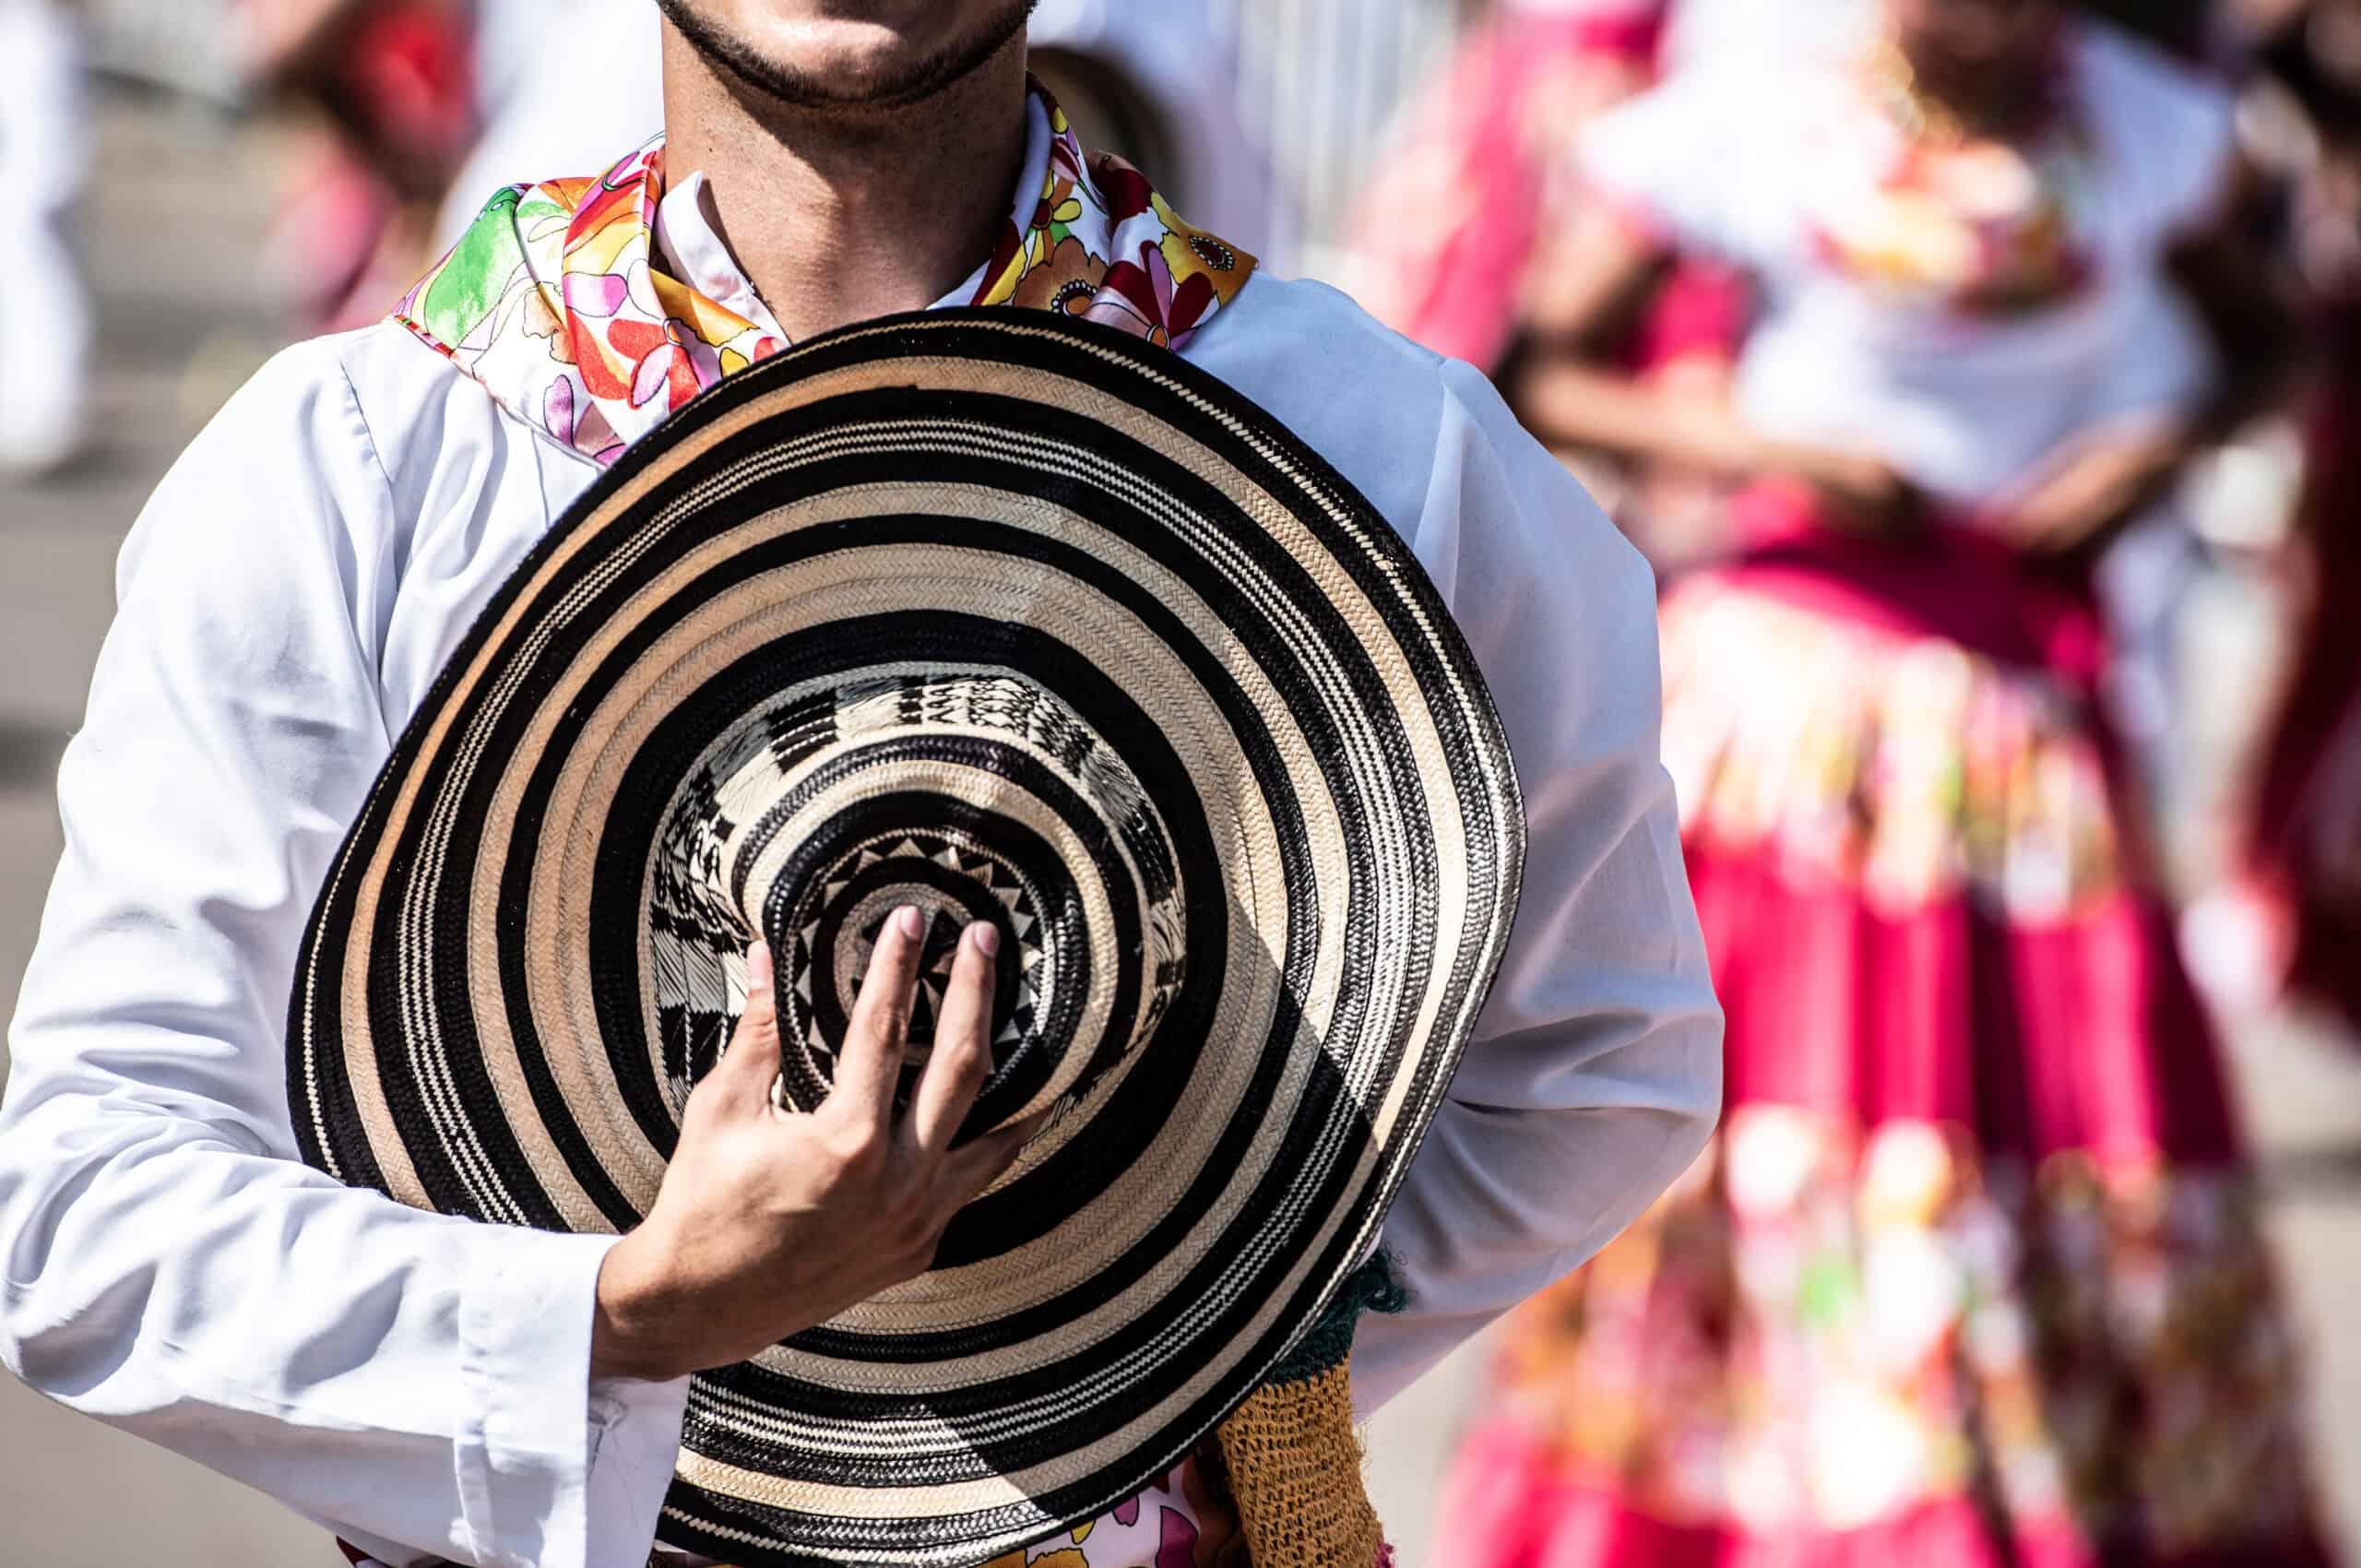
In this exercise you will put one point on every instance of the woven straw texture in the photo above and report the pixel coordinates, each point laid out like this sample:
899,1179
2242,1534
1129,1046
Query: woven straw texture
1294,1470
1018,620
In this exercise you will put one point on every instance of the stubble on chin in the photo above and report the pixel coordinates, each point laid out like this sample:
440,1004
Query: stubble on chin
784,82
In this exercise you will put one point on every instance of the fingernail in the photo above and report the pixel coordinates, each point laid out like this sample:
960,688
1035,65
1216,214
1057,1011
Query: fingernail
986,937
907,918
758,965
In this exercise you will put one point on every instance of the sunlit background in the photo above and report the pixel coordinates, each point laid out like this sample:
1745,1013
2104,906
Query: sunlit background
232,201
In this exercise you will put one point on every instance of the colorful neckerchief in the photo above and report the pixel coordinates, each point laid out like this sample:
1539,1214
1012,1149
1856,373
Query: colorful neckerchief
556,301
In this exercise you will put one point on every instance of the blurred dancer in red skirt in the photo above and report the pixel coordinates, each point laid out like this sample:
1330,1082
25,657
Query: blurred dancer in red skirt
1472,194
1972,1276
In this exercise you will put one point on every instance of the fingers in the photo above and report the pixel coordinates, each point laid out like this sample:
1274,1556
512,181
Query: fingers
962,1049
869,1065
967,1170
751,1062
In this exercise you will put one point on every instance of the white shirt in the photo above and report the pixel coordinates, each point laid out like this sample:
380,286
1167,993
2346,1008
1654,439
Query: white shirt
1758,165
422,1382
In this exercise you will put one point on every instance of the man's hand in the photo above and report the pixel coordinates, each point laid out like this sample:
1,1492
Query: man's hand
770,1222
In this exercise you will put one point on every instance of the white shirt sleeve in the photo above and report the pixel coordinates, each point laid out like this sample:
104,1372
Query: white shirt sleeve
1594,1074
169,1268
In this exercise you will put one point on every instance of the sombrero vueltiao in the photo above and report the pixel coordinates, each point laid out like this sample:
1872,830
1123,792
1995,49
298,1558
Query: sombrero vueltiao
1014,618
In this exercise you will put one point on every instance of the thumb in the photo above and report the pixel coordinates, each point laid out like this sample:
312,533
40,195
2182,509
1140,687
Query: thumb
752,1059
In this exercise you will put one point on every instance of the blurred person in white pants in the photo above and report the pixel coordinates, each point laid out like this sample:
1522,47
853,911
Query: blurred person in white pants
45,313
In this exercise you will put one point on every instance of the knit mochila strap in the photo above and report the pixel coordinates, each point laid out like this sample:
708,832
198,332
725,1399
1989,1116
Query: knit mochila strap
1290,1455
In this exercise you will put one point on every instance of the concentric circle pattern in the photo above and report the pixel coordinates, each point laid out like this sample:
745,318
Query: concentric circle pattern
1014,619
820,812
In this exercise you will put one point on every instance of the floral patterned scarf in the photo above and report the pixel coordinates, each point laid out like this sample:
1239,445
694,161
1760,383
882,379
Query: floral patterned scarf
557,300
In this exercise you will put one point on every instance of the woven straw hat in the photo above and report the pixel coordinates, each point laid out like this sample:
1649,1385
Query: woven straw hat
1015,619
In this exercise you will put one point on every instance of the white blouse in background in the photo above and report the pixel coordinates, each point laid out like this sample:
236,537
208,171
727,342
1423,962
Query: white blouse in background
421,1384
1755,164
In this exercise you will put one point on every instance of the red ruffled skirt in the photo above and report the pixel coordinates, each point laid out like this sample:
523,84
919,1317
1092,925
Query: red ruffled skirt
1971,1277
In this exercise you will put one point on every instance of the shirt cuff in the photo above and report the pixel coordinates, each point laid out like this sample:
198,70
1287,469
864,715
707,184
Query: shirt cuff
557,1469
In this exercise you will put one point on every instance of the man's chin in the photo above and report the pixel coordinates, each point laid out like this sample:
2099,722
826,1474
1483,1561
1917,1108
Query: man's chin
856,60
888,55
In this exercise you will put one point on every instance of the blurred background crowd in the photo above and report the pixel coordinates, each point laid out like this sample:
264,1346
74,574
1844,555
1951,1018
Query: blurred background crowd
2037,327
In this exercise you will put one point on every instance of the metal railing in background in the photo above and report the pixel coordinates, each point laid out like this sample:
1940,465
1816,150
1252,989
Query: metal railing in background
1319,83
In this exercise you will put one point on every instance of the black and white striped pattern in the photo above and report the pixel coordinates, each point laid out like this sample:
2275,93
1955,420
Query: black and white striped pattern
1016,618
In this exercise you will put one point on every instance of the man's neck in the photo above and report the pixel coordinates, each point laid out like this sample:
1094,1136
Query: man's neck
838,217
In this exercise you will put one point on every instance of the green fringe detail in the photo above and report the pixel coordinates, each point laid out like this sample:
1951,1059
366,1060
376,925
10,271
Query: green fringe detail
1373,1288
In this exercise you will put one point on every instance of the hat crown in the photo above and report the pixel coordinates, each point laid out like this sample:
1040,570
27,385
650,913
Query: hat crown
1008,618
964,791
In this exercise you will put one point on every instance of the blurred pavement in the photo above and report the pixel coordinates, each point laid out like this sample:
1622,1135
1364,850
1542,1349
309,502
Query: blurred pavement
179,201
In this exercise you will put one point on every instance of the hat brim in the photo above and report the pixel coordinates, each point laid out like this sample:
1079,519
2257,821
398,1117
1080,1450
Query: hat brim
488,1015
